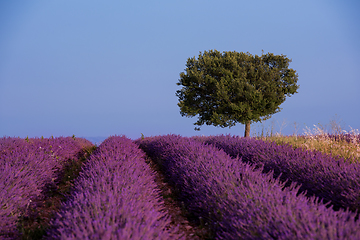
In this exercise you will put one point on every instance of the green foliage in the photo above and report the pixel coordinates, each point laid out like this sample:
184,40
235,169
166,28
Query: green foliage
231,87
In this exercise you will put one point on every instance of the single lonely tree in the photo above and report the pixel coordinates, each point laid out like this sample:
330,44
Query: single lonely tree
231,87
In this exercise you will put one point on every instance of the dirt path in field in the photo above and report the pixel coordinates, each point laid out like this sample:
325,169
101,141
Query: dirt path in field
175,209
36,219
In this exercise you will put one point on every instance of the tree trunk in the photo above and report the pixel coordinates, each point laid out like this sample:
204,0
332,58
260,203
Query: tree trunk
247,129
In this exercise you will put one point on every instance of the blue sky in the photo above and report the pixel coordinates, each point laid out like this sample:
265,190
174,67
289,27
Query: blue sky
96,69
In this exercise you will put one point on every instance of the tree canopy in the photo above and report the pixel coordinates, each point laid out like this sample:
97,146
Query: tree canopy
234,87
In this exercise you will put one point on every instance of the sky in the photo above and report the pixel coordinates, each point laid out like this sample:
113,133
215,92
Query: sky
95,69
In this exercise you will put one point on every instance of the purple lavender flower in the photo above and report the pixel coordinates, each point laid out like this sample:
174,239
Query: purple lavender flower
237,200
115,197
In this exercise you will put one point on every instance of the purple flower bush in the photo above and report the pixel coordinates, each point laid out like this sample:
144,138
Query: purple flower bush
64,148
26,167
319,174
348,137
115,197
237,200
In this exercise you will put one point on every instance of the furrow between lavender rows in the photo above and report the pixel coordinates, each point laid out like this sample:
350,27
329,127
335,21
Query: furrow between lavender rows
320,175
27,167
115,197
238,201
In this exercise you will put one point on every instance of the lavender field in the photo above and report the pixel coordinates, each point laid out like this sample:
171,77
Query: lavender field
174,187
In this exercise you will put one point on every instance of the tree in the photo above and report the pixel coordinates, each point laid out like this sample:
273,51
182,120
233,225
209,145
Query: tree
231,87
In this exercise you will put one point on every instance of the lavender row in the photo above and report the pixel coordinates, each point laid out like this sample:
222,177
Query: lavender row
337,181
115,197
353,137
26,167
239,201
63,148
